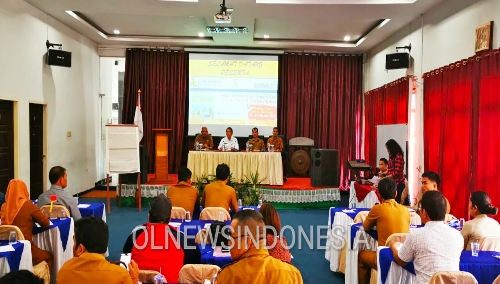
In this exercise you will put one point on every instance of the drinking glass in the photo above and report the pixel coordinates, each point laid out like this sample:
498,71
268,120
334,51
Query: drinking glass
353,205
62,215
475,248
260,203
12,237
462,222
240,203
188,216
221,216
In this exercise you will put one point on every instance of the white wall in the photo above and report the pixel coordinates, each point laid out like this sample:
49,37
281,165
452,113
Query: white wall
448,35
441,36
70,94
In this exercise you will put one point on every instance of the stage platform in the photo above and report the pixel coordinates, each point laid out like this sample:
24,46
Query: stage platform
296,193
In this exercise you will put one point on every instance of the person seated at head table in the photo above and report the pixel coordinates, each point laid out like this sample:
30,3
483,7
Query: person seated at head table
257,144
434,247
218,193
276,245
89,264
389,217
183,194
229,143
204,139
431,181
481,225
275,140
18,210
382,165
158,246
252,262
58,178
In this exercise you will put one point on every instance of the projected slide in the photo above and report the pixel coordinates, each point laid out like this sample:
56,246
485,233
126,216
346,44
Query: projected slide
232,90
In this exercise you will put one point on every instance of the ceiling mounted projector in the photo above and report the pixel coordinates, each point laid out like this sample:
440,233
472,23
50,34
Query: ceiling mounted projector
224,15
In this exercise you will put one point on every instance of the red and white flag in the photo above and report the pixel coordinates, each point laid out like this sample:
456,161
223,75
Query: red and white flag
138,115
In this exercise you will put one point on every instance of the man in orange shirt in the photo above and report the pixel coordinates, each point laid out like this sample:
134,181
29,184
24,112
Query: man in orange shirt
218,193
88,264
183,194
275,140
390,217
253,264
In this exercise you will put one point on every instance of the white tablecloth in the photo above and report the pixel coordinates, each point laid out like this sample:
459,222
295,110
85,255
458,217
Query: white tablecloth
368,243
397,274
26,262
334,244
50,241
268,164
370,199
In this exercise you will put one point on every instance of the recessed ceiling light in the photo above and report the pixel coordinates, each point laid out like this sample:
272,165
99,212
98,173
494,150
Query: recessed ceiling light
266,36
116,32
201,34
347,38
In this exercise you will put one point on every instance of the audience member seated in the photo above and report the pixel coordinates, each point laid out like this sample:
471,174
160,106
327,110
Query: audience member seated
58,177
20,277
276,245
183,194
256,144
389,217
204,139
218,193
158,246
229,143
431,181
436,246
18,210
88,264
252,262
482,225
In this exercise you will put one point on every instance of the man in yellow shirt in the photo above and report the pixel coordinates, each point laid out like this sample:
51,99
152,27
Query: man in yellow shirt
253,264
183,194
390,217
257,143
204,139
218,193
88,264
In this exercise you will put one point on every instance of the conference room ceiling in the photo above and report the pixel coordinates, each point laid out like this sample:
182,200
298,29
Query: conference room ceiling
311,25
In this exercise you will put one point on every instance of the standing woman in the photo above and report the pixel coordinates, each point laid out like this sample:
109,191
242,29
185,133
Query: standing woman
395,169
18,210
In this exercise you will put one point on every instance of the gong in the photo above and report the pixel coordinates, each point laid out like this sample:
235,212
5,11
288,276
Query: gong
300,162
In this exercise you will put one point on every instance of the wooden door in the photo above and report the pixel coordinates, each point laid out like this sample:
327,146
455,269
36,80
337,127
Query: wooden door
6,143
36,150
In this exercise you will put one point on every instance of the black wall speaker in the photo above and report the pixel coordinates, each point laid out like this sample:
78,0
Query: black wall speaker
132,178
59,57
325,167
397,61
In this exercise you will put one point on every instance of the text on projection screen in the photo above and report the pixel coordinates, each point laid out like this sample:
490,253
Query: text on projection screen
240,91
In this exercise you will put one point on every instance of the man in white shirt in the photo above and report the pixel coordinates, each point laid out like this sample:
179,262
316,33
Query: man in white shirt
436,246
229,143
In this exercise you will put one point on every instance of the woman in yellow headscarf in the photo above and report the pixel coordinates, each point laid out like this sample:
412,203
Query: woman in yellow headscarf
18,210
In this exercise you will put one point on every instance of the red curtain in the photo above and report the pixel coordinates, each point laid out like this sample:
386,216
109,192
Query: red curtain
488,147
385,105
321,99
450,130
161,77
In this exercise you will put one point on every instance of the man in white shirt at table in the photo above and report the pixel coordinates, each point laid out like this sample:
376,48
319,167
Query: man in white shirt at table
229,143
436,246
